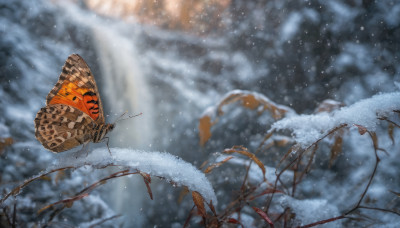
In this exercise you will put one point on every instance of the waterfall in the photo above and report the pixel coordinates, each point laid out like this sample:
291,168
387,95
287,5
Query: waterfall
123,88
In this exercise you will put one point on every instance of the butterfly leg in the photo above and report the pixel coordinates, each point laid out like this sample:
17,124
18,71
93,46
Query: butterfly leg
108,139
85,148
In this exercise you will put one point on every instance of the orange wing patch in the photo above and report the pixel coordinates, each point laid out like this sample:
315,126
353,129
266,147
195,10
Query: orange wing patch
73,114
85,99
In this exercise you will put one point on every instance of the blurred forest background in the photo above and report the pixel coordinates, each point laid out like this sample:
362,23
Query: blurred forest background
171,60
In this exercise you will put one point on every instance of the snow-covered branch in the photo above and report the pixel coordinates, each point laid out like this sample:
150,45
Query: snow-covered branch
307,129
163,165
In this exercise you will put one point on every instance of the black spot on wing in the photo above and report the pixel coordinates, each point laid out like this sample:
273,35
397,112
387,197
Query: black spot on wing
89,93
92,101
65,71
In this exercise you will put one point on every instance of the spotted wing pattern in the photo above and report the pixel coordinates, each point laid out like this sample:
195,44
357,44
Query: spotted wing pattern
61,127
73,114
76,87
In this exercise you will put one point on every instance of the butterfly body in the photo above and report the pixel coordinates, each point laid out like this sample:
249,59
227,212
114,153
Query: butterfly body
73,114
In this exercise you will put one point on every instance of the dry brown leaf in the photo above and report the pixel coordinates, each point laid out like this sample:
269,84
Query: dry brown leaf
281,142
199,202
336,149
374,139
211,205
216,165
234,221
205,125
362,130
184,192
147,181
328,105
59,176
4,142
396,193
264,216
243,151
249,101
228,100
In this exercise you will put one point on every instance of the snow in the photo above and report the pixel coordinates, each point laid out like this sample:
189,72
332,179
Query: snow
290,27
306,129
354,55
392,17
159,164
312,210
350,56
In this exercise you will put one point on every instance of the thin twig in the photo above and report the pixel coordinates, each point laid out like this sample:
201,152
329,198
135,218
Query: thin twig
85,192
298,155
371,178
104,220
380,209
358,205
323,221
189,217
7,216
14,222
390,121
295,172
17,189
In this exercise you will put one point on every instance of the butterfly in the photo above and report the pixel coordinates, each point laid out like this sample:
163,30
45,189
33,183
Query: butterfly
73,114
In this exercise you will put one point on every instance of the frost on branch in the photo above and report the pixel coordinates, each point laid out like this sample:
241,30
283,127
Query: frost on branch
307,129
286,194
164,165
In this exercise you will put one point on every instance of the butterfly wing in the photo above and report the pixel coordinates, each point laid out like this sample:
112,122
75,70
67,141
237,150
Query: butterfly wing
76,87
60,127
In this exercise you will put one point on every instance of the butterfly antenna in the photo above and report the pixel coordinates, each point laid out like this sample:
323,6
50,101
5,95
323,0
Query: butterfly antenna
123,114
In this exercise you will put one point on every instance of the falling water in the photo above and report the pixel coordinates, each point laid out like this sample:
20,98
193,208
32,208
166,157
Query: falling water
123,88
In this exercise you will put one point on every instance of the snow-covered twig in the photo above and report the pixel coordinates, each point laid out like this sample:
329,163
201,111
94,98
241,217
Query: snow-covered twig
163,165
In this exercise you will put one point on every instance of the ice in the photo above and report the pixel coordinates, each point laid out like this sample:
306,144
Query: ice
307,129
160,164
